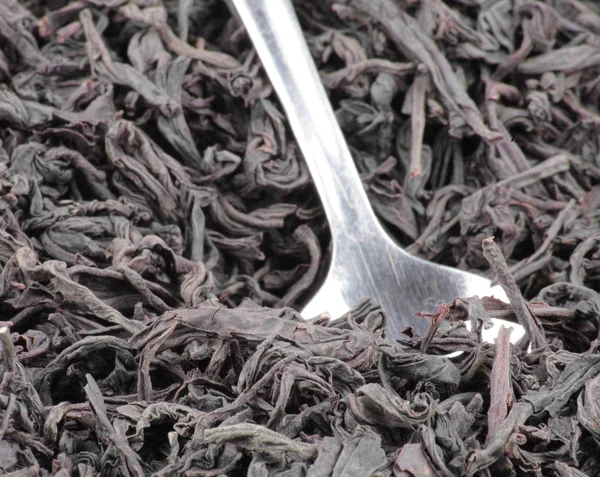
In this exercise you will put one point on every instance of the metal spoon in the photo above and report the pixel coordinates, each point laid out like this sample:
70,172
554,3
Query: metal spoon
366,262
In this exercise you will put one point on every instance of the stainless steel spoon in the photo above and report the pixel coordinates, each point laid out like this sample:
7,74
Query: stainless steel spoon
366,262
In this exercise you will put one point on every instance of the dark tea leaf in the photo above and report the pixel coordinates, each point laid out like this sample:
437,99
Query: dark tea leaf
159,232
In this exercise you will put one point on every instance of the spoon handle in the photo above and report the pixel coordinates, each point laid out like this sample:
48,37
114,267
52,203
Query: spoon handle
275,32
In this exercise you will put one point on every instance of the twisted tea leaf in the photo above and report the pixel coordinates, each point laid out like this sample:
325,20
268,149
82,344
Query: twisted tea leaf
158,227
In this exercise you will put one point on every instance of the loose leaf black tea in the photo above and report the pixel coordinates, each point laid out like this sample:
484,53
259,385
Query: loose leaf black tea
159,231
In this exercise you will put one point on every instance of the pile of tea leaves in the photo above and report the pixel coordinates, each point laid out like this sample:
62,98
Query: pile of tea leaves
159,231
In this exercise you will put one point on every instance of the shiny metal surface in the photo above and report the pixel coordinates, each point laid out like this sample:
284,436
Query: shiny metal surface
365,261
